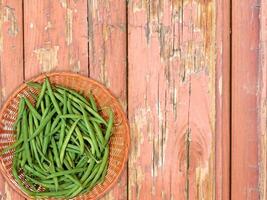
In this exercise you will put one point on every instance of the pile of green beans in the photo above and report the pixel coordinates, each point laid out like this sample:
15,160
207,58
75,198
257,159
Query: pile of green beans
62,143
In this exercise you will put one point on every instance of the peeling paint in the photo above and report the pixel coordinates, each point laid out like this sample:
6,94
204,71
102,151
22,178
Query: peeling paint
109,196
195,54
75,65
201,178
139,177
47,58
106,32
31,25
7,192
69,21
9,16
63,3
48,26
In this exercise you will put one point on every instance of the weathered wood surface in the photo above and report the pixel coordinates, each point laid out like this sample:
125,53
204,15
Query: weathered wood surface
168,64
107,54
171,100
246,111
55,36
223,88
262,100
11,61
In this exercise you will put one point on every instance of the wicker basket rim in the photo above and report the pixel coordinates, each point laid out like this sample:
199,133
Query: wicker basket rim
103,89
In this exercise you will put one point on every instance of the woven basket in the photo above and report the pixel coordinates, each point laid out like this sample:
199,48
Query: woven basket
119,143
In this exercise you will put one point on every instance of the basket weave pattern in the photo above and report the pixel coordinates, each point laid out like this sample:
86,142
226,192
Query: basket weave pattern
119,143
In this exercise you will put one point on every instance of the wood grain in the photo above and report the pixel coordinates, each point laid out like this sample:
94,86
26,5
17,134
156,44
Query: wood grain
55,36
11,63
245,88
262,99
107,53
172,99
223,101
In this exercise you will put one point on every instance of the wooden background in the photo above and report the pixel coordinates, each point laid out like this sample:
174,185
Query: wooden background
194,93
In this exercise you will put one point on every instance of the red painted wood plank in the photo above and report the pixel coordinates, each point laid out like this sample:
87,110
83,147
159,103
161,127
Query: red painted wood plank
107,53
55,36
223,100
11,60
262,99
172,99
245,76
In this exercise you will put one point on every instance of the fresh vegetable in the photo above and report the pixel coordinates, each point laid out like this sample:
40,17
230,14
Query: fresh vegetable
61,142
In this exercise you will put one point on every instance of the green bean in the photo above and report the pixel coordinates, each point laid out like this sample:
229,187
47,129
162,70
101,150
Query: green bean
101,168
47,109
55,122
104,173
61,180
69,108
34,85
91,143
90,130
42,125
73,179
88,108
55,151
47,100
19,150
32,95
73,157
20,111
53,131
42,155
61,137
88,153
39,170
41,95
46,138
61,90
6,149
69,159
62,133
35,120
109,127
73,150
42,107
32,142
52,97
99,133
55,179
79,116
16,176
65,143
49,186
82,162
72,116
65,151
25,137
92,101
65,172
65,109
88,171
92,175
34,172
60,193
32,109
80,138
